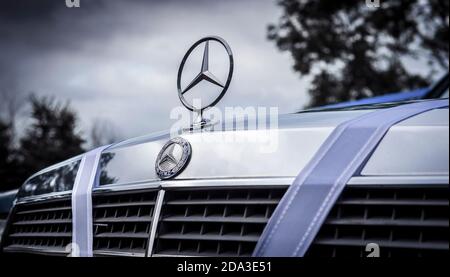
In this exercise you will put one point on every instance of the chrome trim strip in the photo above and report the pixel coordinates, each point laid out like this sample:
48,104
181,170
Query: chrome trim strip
55,166
399,180
282,181
44,197
155,221
35,250
113,253
75,161
175,256
126,187
216,182
357,180
279,181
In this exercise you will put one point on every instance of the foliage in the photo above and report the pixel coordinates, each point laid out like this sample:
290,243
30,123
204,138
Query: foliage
52,136
354,51
11,171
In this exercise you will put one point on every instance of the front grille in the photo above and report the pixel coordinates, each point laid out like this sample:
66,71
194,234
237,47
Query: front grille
214,222
43,227
122,222
403,221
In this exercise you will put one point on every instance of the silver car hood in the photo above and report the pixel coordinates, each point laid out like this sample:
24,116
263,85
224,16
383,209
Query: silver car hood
413,147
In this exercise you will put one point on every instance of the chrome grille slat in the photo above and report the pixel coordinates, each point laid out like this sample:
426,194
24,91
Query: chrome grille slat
37,222
42,227
114,252
214,221
227,221
391,202
224,202
193,254
235,237
36,235
46,210
122,222
124,219
403,221
36,249
413,245
123,235
114,205
388,222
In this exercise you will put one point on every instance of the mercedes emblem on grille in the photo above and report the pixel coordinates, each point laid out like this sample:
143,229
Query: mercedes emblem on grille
173,158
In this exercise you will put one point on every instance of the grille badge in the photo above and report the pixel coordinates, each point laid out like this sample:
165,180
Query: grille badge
173,158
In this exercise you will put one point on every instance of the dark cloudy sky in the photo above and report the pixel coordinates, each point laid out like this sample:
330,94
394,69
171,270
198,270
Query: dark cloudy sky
118,60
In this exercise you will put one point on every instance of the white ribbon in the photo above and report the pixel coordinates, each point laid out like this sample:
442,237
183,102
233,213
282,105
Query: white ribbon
82,204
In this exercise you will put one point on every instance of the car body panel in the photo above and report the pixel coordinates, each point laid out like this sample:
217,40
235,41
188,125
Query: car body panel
416,146
299,136
231,153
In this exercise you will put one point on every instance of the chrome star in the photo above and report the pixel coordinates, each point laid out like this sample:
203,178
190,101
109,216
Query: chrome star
173,158
204,72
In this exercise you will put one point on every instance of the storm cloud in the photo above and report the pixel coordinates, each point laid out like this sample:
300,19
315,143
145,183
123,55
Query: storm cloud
118,60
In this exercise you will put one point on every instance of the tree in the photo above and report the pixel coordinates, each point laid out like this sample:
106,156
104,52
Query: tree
52,137
5,141
103,132
353,51
5,152
10,171
103,163
10,107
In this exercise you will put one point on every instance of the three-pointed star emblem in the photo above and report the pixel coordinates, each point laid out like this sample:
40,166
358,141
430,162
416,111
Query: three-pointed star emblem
204,72
173,158
171,155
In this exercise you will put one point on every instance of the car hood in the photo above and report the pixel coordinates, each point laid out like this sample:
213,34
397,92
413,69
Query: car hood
416,146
